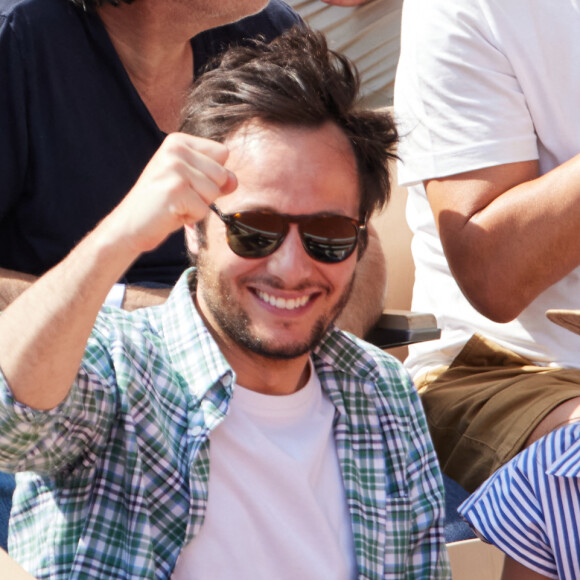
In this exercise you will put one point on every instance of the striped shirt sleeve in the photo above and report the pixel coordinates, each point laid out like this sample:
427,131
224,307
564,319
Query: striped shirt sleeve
530,507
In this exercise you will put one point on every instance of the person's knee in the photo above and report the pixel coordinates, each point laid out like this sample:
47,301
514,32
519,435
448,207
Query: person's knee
560,415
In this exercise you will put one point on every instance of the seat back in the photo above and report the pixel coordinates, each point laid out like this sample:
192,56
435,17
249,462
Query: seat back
395,236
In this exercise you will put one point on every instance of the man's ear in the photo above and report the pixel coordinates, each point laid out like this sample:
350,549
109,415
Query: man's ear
192,238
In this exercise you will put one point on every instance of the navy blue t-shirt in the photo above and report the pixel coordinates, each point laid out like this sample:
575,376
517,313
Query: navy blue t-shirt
74,133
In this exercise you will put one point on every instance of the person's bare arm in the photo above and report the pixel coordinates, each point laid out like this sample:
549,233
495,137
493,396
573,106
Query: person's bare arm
140,297
513,570
367,299
13,283
508,234
44,331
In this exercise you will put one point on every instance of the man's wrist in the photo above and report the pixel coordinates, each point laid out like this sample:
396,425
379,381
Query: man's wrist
116,296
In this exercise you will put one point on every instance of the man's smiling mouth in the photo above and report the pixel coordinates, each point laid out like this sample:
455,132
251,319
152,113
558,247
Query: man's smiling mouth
283,303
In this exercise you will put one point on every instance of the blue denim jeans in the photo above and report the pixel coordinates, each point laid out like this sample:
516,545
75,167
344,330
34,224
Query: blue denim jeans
6,489
456,528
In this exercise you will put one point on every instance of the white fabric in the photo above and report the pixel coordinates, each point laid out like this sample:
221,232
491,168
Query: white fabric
481,83
277,506
116,295
368,34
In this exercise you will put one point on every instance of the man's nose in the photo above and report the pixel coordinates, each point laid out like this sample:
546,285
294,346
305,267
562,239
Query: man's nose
290,262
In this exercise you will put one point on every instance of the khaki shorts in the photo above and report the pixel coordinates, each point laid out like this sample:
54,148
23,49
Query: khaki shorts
483,407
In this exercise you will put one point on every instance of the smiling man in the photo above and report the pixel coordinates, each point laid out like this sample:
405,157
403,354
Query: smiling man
232,428
279,307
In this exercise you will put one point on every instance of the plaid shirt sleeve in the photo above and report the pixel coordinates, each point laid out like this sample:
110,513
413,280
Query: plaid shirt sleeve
102,467
48,441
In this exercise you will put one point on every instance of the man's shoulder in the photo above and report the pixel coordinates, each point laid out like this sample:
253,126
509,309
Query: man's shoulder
138,330
269,23
30,11
360,360
276,17
8,7
41,23
364,380
156,328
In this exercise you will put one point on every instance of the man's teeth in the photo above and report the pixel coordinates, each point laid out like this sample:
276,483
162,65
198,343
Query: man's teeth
286,304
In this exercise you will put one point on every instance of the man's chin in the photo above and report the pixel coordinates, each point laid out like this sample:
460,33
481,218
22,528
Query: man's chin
274,350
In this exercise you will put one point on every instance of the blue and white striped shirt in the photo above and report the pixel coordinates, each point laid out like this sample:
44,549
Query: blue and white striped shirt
530,508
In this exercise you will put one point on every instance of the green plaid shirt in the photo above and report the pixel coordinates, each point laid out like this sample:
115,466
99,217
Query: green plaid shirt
113,483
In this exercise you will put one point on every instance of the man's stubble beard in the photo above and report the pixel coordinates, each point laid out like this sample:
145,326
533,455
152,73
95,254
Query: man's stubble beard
235,323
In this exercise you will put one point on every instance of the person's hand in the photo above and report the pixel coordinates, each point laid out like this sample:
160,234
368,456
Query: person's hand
51,321
184,176
344,2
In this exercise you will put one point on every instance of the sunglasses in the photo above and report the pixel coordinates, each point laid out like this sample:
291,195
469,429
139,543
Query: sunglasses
257,234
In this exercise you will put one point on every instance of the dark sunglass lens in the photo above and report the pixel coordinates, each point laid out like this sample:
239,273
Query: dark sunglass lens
330,239
253,234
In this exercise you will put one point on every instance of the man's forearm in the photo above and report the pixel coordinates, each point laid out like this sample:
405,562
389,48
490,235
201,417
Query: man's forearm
509,234
43,332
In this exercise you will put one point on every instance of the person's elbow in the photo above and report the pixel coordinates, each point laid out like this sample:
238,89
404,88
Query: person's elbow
487,274
494,294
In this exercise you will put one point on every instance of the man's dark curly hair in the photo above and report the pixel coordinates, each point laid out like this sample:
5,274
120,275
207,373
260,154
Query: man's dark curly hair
92,4
295,81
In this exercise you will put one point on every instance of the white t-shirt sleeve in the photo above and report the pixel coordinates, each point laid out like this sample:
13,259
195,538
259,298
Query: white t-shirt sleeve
457,100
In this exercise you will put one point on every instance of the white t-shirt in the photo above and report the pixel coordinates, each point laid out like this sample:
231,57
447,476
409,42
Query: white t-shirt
482,83
368,34
276,506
